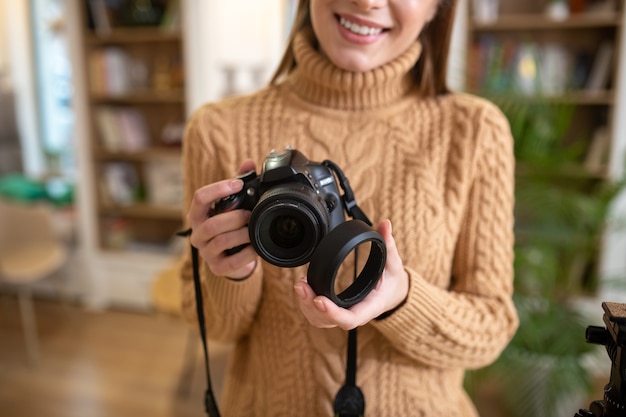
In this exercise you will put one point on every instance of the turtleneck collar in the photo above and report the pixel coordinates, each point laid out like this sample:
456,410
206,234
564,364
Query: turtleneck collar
318,80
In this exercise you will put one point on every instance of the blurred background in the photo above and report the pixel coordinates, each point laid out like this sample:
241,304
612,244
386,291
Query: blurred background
94,95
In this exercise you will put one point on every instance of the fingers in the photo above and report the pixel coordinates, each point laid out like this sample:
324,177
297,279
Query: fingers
246,166
321,312
391,291
214,235
314,307
238,265
224,230
205,196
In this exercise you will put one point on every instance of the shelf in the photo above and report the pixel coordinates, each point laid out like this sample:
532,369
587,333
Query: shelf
134,35
541,22
135,94
581,98
144,211
141,156
147,97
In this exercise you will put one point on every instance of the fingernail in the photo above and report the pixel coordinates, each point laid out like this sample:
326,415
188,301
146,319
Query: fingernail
300,291
320,305
236,184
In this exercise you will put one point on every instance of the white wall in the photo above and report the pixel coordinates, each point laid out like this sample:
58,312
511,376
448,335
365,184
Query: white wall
15,41
244,33
4,46
458,48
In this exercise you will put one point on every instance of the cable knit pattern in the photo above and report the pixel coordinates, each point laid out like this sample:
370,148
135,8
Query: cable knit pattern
440,168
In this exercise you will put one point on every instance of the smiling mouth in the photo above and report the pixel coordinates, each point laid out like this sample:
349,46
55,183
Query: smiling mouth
362,30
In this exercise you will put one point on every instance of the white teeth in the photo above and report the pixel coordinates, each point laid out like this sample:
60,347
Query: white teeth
358,29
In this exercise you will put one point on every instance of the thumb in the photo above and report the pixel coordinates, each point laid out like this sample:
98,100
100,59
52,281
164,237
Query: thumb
393,257
385,229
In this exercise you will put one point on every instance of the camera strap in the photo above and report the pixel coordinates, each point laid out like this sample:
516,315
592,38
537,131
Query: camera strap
349,201
210,404
349,400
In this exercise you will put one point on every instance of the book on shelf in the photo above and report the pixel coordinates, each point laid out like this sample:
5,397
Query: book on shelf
134,129
597,155
108,129
601,70
171,19
506,66
554,61
164,182
173,132
526,69
99,16
110,71
122,129
119,184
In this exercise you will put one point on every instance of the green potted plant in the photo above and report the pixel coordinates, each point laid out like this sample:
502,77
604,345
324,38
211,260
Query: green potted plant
561,213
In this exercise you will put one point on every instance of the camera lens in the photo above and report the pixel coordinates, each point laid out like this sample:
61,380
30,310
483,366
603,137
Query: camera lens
287,224
287,231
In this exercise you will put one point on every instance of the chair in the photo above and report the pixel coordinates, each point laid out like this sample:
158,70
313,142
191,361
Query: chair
30,251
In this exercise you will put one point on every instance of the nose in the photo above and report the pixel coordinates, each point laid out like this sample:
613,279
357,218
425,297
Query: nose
368,4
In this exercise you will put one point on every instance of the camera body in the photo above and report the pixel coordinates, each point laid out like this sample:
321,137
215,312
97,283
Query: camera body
298,217
294,204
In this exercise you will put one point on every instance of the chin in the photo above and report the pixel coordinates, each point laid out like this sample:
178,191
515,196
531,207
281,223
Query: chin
354,65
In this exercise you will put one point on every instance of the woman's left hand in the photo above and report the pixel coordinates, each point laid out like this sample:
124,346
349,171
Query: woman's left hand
391,290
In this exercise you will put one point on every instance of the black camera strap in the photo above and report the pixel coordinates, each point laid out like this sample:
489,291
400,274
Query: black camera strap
349,201
349,400
210,404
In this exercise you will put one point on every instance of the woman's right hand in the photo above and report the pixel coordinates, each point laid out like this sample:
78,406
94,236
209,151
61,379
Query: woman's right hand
212,236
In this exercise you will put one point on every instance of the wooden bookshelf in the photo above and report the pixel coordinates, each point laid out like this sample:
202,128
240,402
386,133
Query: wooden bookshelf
535,21
563,57
146,211
136,113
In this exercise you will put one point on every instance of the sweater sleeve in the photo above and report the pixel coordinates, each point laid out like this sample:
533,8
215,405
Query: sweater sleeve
229,306
469,324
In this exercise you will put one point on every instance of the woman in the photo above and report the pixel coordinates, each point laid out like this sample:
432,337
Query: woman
361,83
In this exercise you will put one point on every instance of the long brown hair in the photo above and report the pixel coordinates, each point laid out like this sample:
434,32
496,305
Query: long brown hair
429,71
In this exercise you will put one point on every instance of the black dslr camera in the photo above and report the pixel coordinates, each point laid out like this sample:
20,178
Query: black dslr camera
298,217
613,337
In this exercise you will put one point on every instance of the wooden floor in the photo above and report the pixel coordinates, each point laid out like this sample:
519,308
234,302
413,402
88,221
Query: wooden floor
109,364
112,364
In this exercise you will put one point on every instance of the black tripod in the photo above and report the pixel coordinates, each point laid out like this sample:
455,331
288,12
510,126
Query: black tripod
613,337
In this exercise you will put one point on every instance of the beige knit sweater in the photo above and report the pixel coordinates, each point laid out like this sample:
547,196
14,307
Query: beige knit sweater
441,169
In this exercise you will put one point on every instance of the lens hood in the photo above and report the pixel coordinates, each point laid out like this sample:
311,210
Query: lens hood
333,250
